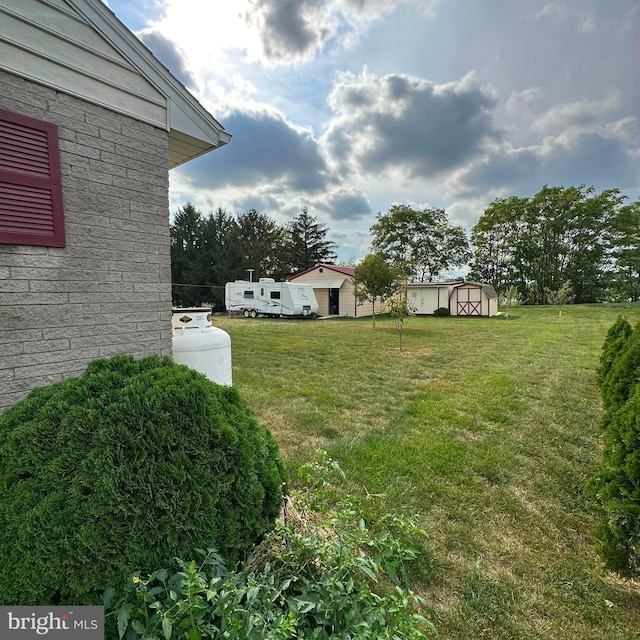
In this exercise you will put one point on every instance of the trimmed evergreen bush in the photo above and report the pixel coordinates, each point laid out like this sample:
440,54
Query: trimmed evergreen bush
617,487
441,312
133,463
624,372
615,341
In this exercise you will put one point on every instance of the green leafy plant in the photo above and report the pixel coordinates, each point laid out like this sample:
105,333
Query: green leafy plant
319,574
510,298
560,297
400,309
131,464
617,486
441,312
615,341
623,373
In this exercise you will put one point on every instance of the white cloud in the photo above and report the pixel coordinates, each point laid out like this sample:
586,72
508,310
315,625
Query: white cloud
407,125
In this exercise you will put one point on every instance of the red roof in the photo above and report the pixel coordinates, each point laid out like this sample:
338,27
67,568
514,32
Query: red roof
346,271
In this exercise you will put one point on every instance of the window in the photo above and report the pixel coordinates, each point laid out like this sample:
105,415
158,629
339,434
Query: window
30,182
248,294
275,295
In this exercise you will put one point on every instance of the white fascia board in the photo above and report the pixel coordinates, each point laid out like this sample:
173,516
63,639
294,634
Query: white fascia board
179,101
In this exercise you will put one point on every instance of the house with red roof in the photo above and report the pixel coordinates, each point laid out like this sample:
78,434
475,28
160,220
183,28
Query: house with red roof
335,291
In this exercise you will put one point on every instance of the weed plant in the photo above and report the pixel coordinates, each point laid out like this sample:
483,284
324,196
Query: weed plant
321,574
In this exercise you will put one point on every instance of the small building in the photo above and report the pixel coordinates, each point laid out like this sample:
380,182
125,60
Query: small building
460,298
90,124
426,297
335,291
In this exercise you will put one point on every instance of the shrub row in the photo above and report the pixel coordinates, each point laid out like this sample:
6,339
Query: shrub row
617,482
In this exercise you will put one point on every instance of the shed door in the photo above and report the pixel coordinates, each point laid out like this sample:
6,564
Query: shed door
334,302
469,302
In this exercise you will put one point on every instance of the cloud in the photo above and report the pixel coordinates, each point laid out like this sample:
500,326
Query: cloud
580,114
266,150
346,204
406,124
600,158
295,30
170,54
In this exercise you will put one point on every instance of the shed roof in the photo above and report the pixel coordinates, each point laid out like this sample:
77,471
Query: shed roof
88,32
488,289
346,271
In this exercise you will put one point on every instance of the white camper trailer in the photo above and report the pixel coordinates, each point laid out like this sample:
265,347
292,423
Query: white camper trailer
270,298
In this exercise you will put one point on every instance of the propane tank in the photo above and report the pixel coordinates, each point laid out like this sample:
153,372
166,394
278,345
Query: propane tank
200,345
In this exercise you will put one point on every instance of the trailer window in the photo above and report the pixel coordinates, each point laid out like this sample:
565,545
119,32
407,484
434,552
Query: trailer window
275,295
248,294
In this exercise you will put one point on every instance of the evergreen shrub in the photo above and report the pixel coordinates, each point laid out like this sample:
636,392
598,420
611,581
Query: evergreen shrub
615,341
623,373
617,486
122,469
441,312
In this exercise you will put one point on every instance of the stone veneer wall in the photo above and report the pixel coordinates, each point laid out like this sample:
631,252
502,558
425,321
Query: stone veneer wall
109,290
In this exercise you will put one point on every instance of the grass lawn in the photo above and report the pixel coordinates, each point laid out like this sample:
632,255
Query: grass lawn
485,429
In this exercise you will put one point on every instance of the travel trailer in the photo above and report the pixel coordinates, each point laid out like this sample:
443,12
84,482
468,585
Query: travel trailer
270,298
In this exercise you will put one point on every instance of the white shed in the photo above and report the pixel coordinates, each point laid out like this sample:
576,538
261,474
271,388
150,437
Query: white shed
460,298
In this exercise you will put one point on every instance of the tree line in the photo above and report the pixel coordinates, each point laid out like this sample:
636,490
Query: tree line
569,239
209,250
536,245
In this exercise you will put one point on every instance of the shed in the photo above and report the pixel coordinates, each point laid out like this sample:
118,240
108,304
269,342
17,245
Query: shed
426,297
460,298
90,124
473,299
334,290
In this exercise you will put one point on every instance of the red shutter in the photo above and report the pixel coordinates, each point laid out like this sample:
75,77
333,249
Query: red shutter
30,184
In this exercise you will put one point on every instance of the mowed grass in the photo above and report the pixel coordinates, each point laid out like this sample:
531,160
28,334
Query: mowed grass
485,429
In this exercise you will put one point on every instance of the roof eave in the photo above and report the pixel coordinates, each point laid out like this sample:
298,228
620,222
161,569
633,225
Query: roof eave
203,125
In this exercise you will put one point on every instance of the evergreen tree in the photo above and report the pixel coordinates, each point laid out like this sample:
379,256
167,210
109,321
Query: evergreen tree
307,243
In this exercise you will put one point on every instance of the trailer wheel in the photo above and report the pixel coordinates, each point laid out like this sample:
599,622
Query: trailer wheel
253,313
245,313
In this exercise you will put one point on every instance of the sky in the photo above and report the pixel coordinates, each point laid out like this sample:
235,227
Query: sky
347,107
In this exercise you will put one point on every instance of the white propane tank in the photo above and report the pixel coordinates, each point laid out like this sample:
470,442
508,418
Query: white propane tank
200,345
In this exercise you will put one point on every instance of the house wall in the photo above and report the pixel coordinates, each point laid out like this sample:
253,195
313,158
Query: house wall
108,291
54,45
322,296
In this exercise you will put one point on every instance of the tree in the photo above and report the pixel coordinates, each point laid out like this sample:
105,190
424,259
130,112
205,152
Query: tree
419,243
564,295
538,243
626,252
374,280
187,264
400,310
615,341
259,244
511,298
617,482
307,243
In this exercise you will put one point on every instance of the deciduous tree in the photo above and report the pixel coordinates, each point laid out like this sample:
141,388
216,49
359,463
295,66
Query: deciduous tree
419,243
374,280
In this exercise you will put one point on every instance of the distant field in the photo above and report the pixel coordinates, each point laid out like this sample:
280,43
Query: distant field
486,429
